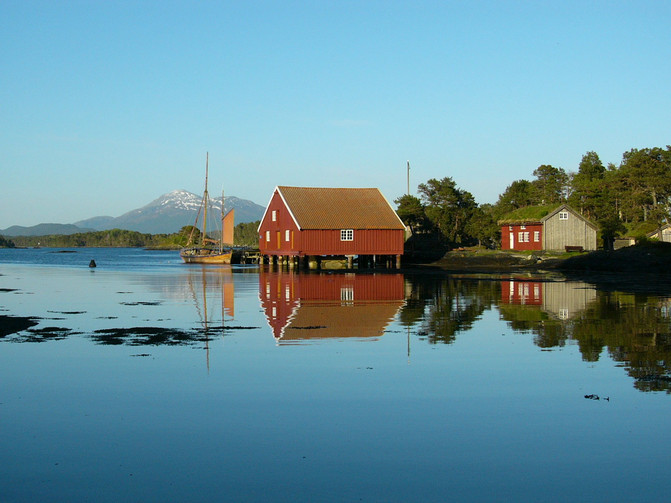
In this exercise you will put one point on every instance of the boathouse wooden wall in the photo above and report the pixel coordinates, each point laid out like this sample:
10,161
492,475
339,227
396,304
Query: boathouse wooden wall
280,235
277,220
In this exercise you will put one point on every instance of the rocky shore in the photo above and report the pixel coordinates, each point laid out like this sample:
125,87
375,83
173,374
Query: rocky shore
644,267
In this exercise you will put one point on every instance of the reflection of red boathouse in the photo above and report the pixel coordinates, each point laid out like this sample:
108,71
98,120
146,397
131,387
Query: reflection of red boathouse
300,307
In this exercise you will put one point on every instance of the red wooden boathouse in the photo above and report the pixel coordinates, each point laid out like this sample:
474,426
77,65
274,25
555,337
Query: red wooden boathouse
313,222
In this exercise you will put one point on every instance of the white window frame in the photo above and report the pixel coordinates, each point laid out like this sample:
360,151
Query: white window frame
274,215
287,235
520,237
526,237
267,236
563,215
523,227
347,235
537,236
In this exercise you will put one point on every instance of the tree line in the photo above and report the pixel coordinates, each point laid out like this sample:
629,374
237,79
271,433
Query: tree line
244,235
631,198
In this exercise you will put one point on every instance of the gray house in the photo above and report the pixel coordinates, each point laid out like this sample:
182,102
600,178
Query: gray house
566,229
665,234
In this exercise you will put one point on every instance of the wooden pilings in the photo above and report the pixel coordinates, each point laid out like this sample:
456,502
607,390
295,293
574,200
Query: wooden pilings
317,262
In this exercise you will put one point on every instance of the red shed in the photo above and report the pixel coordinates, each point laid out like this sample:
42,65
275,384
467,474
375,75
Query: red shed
341,222
522,235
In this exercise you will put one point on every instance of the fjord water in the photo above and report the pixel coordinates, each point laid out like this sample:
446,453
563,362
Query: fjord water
148,380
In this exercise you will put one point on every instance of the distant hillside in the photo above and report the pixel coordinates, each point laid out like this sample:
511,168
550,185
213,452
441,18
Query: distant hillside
172,211
43,230
165,215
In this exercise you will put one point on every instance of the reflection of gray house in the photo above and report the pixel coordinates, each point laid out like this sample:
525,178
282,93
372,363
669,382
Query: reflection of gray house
564,300
561,300
564,227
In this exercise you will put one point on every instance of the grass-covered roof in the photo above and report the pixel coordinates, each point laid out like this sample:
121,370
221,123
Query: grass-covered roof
527,214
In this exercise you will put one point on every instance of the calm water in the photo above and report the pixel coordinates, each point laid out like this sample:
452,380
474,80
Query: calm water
148,380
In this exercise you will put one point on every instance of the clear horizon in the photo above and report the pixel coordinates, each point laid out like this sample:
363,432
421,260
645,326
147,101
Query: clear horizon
107,106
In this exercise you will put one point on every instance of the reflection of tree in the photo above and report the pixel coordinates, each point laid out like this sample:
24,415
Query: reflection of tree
635,330
445,306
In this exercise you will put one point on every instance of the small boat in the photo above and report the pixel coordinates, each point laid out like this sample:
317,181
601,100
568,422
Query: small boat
210,251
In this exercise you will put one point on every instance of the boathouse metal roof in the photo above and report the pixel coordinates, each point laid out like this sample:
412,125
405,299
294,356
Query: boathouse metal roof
339,208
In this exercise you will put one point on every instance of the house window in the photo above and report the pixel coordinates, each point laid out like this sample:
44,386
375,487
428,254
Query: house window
537,236
347,293
520,237
510,227
526,237
563,215
287,235
523,227
268,236
274,215
347,235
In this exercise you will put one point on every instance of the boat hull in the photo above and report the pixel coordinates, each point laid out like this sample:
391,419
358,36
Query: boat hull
191,256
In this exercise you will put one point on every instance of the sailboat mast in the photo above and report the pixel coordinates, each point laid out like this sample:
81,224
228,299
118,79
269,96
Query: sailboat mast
206,200
221,238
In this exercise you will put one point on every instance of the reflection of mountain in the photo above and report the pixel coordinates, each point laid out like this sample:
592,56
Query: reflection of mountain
561,300
301,307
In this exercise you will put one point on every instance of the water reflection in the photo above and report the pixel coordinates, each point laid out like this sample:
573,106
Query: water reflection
633,329
301,307
440,307
194,306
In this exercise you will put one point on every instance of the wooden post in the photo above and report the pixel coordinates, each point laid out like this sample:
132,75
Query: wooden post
398,261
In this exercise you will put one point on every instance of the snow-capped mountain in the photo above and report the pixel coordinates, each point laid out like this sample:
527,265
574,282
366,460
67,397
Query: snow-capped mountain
172,211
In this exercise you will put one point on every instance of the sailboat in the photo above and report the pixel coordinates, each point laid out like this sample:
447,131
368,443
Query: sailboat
210,251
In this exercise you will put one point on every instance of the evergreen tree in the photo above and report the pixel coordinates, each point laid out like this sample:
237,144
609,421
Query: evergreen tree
412,212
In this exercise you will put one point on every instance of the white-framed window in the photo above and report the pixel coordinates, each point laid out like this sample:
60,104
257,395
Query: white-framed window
347,235
526,237
563,215
510,227
268,236
520,237
537,236
274,215
523,227
287,235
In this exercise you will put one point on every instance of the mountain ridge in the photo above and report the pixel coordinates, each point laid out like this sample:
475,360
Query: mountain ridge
166,214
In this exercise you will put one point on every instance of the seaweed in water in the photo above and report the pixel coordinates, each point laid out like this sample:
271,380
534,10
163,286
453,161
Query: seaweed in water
67,312
145,303
145,336
13,324
7,290
46,334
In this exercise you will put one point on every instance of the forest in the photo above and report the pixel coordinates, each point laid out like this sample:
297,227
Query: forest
630,199
245,235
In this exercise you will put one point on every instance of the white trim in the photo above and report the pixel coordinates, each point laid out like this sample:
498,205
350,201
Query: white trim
390,206
286,205
277,189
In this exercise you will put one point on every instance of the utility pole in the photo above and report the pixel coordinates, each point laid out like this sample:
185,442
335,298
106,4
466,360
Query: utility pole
408,178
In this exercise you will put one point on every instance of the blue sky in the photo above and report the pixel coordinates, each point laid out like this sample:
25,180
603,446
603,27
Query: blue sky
104,106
